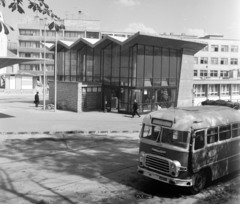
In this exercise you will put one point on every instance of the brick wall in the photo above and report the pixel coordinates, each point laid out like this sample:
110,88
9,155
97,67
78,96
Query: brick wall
70,96
67,95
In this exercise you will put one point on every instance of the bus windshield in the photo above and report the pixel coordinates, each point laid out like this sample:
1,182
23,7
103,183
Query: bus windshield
165,136
151,132
174,137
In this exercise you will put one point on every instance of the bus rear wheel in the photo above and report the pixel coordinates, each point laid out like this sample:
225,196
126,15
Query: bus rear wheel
199,182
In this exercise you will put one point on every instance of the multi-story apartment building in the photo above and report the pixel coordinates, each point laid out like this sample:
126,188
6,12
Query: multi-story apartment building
217,70
34,33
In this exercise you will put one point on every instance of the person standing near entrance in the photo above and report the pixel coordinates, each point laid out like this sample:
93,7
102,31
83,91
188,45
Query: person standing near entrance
135,109
36,99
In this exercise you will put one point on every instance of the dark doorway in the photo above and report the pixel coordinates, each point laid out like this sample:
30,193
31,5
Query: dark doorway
111,99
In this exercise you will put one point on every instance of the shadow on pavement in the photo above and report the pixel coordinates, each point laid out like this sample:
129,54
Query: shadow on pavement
2,115
92,157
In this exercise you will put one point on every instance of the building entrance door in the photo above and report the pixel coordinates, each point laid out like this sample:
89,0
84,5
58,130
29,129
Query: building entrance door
111,99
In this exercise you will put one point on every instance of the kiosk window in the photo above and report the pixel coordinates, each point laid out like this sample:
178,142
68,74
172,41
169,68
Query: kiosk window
199,140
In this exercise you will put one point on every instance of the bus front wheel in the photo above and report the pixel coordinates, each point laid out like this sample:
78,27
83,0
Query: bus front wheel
199,182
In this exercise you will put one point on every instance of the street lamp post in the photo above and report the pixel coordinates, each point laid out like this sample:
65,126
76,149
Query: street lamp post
57,28
44,67
55,74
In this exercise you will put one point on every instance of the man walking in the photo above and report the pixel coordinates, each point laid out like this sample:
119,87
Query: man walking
135,109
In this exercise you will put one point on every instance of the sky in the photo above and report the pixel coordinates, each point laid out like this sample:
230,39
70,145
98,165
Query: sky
192,17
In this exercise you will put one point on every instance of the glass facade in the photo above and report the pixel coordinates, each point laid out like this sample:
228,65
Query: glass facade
148,74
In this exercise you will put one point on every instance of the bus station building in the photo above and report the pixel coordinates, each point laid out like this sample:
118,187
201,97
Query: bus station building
110,73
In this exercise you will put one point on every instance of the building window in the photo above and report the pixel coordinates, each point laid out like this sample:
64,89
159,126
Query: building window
224,48
205,48
29,44
195,60
29,32
50,33
27,54
235,89
49,56
234,61
224,61
234,48
203,60
195,73
200,90
94,35
214,73
214,48
213,90
29,67
31,55
89,90
74,34
203,73
224,74
50,68
225,89
214,60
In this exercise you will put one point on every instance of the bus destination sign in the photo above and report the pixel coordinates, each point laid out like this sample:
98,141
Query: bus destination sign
160,122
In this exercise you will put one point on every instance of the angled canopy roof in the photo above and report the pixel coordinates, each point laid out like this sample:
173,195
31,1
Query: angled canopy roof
60,44
138,38
9,61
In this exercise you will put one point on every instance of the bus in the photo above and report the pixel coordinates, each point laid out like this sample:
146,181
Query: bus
189,146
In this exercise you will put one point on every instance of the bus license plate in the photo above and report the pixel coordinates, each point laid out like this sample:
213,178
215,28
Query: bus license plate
155,176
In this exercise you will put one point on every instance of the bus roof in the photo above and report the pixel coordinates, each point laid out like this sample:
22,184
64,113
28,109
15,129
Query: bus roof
196,117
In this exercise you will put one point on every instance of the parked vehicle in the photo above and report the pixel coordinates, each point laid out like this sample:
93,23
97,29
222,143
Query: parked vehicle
189,146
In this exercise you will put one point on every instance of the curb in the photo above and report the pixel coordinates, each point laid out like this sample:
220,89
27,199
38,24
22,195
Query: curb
71,132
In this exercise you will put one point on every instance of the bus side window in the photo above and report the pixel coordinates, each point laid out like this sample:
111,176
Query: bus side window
199,140
212,135
224,132
236,130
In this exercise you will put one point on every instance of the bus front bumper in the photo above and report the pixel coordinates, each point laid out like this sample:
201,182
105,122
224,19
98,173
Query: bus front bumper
165,179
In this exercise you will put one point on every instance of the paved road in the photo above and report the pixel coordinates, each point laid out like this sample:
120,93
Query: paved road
18,114
67,169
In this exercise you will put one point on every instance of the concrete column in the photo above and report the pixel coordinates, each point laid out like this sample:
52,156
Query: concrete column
79,108
186,79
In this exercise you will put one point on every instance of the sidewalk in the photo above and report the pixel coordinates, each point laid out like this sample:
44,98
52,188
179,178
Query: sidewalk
18,115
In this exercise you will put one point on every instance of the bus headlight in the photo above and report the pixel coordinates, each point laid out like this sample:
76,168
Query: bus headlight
141,158
174,168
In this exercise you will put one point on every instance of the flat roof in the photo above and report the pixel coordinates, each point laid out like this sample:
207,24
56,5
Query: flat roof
9,61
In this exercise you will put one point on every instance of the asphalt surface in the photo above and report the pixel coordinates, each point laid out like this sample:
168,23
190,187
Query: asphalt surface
19,115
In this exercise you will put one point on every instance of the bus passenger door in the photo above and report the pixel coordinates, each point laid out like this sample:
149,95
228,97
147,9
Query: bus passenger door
198,150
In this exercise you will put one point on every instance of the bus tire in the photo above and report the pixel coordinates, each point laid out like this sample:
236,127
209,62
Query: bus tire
199,182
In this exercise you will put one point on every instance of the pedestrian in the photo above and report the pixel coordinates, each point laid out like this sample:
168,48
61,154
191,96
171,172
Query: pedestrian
135,109
36,99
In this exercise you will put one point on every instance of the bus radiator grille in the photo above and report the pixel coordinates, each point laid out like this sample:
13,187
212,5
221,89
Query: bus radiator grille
157,164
